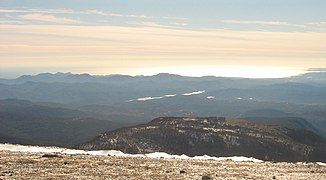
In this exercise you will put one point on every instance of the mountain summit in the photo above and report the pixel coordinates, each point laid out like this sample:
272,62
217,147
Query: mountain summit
215,137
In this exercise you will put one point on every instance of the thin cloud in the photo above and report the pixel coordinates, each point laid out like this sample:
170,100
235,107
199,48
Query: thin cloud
106,13
71,11
175,18
89,12
12,22
179,24
48,18
149,49
272,23
12,11
150,24
44,11
299,25
97,12
317,23
103,13
55,11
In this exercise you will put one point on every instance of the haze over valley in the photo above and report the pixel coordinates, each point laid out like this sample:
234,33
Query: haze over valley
173,89
65,109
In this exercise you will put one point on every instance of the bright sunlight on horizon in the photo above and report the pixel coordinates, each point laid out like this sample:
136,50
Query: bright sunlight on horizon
232,71
235,38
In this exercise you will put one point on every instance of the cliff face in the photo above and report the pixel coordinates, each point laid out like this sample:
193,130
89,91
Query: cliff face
215,137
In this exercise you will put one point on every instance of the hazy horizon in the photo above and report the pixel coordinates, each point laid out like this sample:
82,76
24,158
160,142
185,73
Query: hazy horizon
137,75
241,72
256,39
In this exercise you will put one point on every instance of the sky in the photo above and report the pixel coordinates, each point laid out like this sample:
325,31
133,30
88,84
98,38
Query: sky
235,38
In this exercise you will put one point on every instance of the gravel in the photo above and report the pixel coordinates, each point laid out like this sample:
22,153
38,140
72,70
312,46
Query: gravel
25,165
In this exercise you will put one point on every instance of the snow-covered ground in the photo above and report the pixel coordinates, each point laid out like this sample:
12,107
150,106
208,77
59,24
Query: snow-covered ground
51,149
321,163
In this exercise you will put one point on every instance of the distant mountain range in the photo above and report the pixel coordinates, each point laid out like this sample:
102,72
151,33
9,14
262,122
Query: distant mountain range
66,109
214,137
70,88
309,77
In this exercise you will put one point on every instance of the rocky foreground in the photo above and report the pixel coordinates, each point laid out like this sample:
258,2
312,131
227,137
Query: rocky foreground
27,165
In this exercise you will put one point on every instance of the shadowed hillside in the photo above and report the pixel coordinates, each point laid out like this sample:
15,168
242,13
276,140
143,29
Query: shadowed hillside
25,122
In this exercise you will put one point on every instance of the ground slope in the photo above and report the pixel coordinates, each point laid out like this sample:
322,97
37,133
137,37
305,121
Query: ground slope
18,165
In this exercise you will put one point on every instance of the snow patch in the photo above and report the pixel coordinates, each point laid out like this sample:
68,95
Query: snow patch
194,93
151,98
181,131
234,158
321,163
210,97
219,130
148,98
151,127
167,96
170,95
190,119
49,149
166,155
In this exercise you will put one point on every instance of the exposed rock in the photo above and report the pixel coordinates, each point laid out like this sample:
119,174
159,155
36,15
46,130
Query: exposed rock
206,178
50,155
